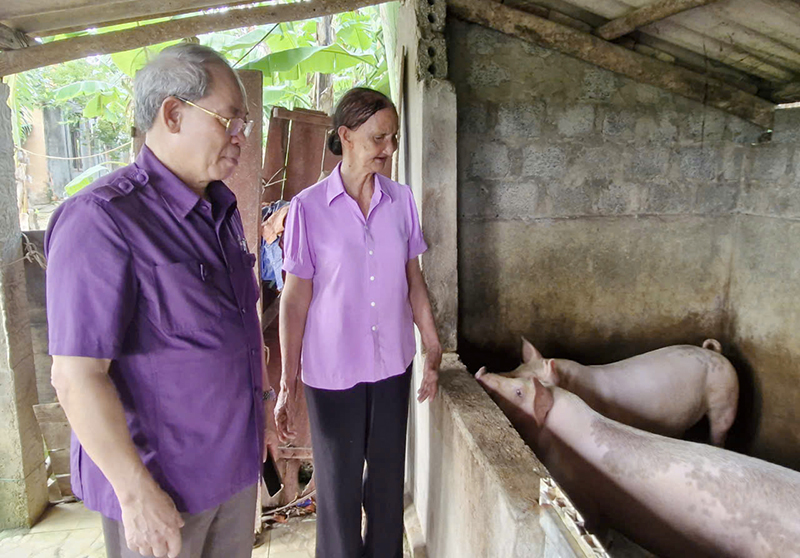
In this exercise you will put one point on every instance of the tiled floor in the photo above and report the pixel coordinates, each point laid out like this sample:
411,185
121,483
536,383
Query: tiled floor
71,531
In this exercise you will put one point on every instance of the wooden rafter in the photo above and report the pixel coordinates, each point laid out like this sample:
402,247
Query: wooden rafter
15,61
661,9
612,57
77,19
11,39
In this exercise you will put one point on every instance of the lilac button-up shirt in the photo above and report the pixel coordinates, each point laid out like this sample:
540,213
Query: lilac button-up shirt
144,272
360,327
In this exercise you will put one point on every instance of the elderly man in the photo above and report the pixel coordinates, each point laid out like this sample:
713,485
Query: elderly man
157,349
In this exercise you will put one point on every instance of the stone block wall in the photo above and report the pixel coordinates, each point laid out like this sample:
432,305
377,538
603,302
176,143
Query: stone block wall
602,218
764,315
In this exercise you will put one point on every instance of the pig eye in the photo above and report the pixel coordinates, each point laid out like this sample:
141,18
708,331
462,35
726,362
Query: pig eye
518,392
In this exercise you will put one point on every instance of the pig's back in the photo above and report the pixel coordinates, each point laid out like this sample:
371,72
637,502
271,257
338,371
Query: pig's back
734,504
663,391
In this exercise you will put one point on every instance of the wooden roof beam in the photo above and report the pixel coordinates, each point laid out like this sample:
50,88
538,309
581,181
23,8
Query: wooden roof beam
594,50
85,17
38,55
11,39
658,10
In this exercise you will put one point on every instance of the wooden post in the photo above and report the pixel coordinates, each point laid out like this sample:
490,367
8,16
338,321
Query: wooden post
23,481
246,181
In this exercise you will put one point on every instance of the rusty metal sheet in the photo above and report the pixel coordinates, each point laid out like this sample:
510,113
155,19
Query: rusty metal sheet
306,150
275,158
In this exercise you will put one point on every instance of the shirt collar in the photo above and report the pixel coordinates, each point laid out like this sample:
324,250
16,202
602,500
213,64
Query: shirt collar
177,195
335,186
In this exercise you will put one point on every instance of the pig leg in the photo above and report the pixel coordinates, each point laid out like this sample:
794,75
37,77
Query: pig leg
722,403
721,421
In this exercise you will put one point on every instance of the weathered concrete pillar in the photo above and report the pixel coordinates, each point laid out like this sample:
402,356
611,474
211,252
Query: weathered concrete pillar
23,483
427,162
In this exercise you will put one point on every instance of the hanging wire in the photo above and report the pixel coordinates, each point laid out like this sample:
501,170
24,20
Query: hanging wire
123,146
258,43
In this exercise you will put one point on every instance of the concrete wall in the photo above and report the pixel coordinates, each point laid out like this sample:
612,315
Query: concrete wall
483,481
37,307
59,144
764,318
601,218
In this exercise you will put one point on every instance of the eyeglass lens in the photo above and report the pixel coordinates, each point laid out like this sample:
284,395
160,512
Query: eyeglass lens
238,125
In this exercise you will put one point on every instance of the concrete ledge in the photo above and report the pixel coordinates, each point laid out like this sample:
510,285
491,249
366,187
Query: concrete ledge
478,491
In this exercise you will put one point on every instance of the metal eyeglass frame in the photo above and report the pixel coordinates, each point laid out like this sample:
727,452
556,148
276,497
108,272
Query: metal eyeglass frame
244,126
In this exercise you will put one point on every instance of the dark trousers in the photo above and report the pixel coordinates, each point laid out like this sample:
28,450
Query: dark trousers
366,423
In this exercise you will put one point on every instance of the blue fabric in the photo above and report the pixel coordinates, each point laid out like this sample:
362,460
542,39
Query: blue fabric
271,254
272,263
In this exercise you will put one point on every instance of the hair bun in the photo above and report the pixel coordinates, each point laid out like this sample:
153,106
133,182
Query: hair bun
335,142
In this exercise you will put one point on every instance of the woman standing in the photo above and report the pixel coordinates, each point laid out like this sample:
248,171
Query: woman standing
353,291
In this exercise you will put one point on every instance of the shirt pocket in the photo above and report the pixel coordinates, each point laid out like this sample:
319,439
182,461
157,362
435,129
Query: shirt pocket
187,297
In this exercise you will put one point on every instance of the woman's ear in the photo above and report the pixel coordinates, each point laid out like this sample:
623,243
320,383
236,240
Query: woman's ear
346,136
171,114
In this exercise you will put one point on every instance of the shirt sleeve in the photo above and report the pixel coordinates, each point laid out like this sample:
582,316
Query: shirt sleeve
416,242
91,286
297,255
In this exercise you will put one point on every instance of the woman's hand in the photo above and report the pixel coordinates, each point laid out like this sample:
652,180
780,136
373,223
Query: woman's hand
283,415
430,376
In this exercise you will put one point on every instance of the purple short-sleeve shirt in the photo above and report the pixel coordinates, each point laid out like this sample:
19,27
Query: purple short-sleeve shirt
144,272
360,327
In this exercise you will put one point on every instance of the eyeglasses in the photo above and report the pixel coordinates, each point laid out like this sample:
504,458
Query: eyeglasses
233,126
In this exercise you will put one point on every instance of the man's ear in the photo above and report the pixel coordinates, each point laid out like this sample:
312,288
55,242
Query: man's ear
542,402
529,352
171,114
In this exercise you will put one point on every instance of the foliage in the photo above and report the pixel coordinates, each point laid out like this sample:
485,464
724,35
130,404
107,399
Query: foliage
99,88
85,178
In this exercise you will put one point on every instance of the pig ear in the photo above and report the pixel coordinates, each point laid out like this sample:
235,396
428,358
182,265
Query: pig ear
529,352
550,374
542,402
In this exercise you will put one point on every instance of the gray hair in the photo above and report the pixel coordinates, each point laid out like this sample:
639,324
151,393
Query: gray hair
180,70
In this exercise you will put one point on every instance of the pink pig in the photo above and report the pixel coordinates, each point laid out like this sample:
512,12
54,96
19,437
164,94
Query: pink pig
673,497
664,391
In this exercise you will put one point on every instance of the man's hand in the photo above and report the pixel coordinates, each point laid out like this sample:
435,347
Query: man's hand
283,416
152,523
429,386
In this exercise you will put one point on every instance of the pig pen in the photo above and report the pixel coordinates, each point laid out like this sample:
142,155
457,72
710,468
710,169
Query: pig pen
603,218
600,218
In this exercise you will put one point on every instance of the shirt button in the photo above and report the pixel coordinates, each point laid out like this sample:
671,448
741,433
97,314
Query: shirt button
372,304
372,278
243,310
374,328
371,252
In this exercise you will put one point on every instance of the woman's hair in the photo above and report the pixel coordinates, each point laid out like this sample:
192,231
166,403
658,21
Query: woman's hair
356,107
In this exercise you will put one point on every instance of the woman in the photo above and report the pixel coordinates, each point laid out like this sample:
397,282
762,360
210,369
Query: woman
353,291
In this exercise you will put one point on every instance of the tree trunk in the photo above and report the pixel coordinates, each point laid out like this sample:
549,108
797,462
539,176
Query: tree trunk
323,83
